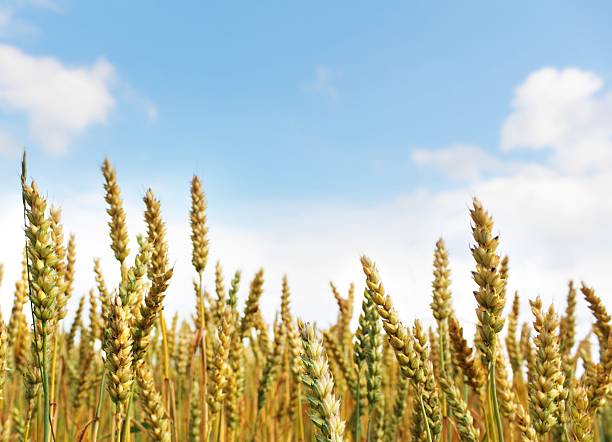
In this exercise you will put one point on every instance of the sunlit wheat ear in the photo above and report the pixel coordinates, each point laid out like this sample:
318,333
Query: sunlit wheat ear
195,414
251,306
345,307
263,336
20,298
346,368
159,272
172,334
567,324
546,387
271,366
32,385
399,336
220,292
118,349
361,339
42,258
77,322
294,344
525,345
442,309
154,415
95,326
491,285
117,223
45,287
183,350
374,364
602,321
441,300
581,416
86,356
294,352
218,378
597,377
512,344
236,377
324,408
425,383
199,230
103,292
523,420
57,236
461,413
508,400
465,358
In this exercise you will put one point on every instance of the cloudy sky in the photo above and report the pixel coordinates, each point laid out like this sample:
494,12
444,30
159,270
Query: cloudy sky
321,131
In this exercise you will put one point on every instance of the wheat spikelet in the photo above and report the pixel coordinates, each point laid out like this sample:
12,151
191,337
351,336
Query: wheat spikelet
356,385
324,408
528,434
602,323
508,399
582,419
117,224
512,345
399,337
426,385
251,306
159,273
470,366
441,300
491,285
94,316
57,235
102,291
158,425
345,307
199,231
86,356
77,322
218,378
272,366
118,349
374,361
546,385
195,415
42,259
20,298
461,414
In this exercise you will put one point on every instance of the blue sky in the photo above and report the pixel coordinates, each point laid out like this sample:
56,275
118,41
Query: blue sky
235,85
292,110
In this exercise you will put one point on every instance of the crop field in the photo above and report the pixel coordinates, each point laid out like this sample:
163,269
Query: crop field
120,370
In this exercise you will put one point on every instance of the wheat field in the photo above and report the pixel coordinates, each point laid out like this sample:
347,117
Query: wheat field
120,370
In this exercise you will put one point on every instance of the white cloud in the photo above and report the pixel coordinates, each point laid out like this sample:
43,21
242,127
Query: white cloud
324,82
564,111
58,101
460,162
